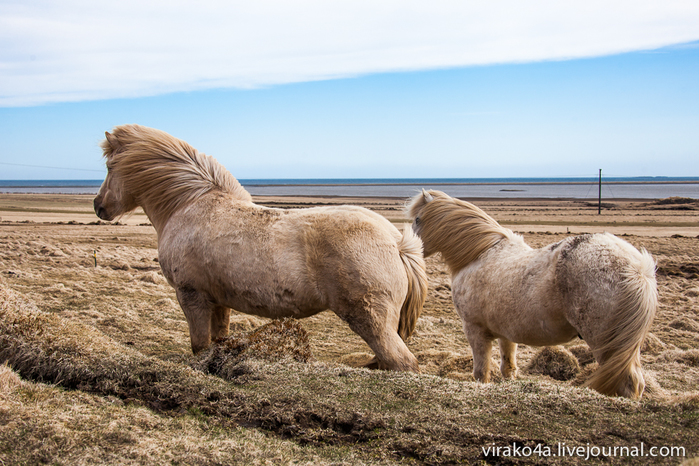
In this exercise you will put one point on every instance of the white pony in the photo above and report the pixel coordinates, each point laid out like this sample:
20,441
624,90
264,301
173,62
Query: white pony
219,250
596,287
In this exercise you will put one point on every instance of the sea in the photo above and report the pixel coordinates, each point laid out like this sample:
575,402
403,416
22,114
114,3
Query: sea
547,188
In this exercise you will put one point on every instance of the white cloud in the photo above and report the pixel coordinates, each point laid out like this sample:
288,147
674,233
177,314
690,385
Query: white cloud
54,51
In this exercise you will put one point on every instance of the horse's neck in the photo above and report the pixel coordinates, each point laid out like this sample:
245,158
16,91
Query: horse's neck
209,201
158,221
159,216
512,250
460,250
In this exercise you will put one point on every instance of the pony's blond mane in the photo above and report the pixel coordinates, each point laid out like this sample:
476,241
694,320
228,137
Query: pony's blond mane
458,229
164,171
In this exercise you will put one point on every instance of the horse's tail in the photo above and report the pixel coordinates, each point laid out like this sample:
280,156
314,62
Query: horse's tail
619,372
410,249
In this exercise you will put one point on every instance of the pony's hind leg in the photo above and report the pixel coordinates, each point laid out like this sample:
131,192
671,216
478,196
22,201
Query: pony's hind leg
634,384
392,352
198,310
481,343
382,337
508,359
618,374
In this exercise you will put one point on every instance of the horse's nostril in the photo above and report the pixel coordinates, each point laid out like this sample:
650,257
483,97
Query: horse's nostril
101,212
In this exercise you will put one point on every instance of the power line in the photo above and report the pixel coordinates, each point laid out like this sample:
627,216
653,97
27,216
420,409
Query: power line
53,168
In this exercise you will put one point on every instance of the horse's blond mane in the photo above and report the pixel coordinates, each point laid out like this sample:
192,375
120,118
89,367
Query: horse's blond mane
166,171
458,229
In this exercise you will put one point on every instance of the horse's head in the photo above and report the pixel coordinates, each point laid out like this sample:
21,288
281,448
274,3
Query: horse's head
112,200
414,212
457,229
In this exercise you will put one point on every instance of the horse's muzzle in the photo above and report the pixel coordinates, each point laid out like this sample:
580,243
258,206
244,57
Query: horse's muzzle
100,210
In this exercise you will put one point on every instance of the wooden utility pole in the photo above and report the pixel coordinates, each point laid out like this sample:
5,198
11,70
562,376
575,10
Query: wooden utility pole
599,196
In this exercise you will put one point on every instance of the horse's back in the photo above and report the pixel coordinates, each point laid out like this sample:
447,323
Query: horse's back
347,217
349,248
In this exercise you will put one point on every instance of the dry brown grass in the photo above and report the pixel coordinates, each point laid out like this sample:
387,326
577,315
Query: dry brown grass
112,343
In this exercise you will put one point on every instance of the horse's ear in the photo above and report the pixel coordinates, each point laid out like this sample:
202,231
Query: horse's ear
112,140
427,196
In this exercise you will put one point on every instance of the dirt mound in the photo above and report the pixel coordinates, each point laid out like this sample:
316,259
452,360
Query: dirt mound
583,353
582,376
675,200
275,341
554,361
451,365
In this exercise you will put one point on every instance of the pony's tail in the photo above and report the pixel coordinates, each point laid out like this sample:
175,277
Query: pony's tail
410,249
619,372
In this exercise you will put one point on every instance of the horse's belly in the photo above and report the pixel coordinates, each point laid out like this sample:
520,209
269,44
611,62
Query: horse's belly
275,313
537,327
271,305
515,313
544,334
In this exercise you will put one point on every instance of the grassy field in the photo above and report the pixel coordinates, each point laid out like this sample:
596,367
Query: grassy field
98,366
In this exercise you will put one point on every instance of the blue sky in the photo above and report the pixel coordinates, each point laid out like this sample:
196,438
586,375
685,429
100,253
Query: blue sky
445,93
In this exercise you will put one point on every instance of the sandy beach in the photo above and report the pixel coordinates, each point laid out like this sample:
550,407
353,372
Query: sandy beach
634,217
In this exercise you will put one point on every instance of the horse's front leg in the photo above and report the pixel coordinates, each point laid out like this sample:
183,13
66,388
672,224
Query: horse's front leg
508,359
198,310
220,322
481,342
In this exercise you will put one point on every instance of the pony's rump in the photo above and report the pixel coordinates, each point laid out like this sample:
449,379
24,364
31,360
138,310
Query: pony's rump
621,343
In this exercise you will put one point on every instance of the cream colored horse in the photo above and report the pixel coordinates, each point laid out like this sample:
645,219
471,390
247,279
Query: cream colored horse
219,250
596,287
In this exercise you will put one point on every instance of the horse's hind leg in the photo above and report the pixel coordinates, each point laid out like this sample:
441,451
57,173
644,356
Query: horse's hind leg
198,311
382,337
508,359
618,374
481,343
391,351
